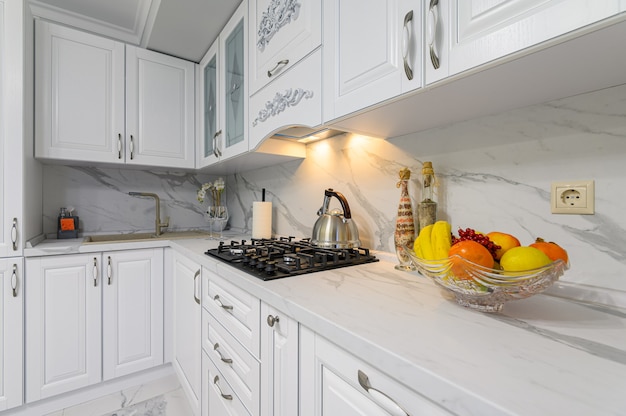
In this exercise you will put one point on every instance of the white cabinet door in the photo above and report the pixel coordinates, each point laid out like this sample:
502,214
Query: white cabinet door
159,109
132,312
365,46
281,33
11,332
187,327
233,45
279,363
63,324
479,31
11,130
79,95
208,113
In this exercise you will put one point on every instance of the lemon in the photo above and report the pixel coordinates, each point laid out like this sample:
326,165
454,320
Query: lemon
518,259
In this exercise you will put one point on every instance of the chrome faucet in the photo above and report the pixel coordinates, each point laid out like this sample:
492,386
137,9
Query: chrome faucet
157,223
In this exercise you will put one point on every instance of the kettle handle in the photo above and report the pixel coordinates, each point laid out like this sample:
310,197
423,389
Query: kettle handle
342,199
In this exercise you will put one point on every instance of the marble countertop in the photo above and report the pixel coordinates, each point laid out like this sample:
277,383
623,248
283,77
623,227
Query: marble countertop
544,355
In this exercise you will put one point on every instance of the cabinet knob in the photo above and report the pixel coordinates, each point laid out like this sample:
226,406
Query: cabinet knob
271,320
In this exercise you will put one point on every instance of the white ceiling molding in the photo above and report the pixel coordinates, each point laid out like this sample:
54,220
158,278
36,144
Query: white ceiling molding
137,32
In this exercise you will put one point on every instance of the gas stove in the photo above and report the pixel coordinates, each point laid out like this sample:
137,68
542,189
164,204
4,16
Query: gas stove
270,259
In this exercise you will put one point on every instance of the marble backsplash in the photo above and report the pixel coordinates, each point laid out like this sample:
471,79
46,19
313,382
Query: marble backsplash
494,173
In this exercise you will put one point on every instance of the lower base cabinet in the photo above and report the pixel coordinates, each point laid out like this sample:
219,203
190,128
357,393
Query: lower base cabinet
218,398
335,382
11,332
91,317
187,348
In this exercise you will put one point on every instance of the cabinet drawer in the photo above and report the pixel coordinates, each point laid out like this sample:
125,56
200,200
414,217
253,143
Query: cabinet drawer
237,310
340,373
218,396
294,99
280,35
239,368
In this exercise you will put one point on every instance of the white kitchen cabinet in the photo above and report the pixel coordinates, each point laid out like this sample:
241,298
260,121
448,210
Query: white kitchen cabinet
372,52
223,89
279,358
14,130
98,100
132,311
159,109
187,349
89,320
63,324
281,33
294,99
208,107
465,34
336,382
11,332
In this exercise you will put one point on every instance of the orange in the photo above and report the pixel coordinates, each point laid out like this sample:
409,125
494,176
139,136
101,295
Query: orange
472,251
504,240
552,250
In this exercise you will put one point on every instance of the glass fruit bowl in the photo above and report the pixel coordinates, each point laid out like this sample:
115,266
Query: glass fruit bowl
485,289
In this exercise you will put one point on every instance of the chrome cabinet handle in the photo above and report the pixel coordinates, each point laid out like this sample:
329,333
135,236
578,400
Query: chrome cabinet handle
406,43
14,280
95,272
226,396
109,270
195,277
132,147
216,151
119,145
271,320
14,234
379,397
279,64
216,347
433,22
217,300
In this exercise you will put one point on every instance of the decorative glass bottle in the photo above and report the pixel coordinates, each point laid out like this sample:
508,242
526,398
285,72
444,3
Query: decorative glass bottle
427,209
405,226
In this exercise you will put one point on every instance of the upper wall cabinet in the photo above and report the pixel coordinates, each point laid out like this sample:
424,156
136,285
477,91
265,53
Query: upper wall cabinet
281,34
479,31
372,52
223,93
87,110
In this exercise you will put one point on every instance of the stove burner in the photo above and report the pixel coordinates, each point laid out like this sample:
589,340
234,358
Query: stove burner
276,258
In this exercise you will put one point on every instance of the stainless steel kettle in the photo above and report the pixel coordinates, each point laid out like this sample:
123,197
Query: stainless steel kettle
334,228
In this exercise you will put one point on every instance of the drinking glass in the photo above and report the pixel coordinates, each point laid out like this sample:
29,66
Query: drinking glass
218,217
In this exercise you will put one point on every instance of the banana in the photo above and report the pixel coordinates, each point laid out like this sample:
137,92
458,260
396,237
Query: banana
441,240
417,248
425,242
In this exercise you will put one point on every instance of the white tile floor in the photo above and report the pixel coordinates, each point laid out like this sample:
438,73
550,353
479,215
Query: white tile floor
163,397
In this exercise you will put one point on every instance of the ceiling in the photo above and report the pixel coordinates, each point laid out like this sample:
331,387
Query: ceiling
183,28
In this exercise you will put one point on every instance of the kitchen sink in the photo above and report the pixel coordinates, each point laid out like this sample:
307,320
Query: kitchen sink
122,238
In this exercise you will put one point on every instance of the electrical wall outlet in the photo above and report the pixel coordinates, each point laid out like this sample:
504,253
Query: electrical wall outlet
573,197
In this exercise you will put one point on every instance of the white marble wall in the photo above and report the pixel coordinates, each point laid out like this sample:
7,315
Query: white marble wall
495,173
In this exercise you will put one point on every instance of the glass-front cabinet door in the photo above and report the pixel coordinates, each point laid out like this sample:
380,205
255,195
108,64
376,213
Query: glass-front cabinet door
233,45
208,108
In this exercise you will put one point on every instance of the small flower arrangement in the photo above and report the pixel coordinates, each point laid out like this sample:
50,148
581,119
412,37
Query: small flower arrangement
214,188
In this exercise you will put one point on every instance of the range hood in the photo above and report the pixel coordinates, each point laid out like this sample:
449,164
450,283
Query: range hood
305,135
